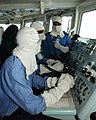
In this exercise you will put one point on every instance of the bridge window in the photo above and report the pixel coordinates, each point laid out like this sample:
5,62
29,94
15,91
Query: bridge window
5,26
66,23
88,25
28,24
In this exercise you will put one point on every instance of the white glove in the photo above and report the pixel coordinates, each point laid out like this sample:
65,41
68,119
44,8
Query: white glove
53,95
60,47
68,78
50,61
51,81
43,69
55,64
40,56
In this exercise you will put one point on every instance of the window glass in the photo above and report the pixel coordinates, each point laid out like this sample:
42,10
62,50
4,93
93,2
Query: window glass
50,26
66,23
6,25
28,24
88,25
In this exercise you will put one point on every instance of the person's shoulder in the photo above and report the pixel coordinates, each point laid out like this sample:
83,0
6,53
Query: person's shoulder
13,62
16,61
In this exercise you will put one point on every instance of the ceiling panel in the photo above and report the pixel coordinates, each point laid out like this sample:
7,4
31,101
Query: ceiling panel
11,9
18,1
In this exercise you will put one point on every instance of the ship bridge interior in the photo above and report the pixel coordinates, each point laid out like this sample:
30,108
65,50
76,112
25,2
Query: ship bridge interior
80,102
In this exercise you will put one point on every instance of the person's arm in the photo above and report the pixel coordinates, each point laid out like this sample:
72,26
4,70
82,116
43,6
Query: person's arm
63,44
17,87
45,50
37,81
41,59
51,96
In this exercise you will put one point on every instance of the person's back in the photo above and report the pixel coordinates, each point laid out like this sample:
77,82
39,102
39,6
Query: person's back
8,42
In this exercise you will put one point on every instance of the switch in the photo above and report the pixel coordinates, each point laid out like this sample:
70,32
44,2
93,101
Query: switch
84,70
87,74
81,86
85,91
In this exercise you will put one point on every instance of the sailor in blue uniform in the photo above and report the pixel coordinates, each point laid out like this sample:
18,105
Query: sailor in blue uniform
56,44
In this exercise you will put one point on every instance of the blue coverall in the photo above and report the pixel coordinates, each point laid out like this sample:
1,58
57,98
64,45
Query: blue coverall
49,45
16,90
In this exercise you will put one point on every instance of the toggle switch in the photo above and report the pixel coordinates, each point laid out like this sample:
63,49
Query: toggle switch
84,70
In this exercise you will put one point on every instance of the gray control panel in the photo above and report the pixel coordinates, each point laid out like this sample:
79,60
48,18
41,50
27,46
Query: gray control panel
84,64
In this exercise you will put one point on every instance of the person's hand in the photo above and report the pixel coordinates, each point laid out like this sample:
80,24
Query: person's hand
55,64
57,45
64,49
68,78
50,61
53,95
40,56
51,81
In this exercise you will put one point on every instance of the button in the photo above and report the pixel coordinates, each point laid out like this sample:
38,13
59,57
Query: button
92,79
85,91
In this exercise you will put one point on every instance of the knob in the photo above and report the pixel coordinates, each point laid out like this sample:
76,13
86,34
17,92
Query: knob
84,70
93,116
